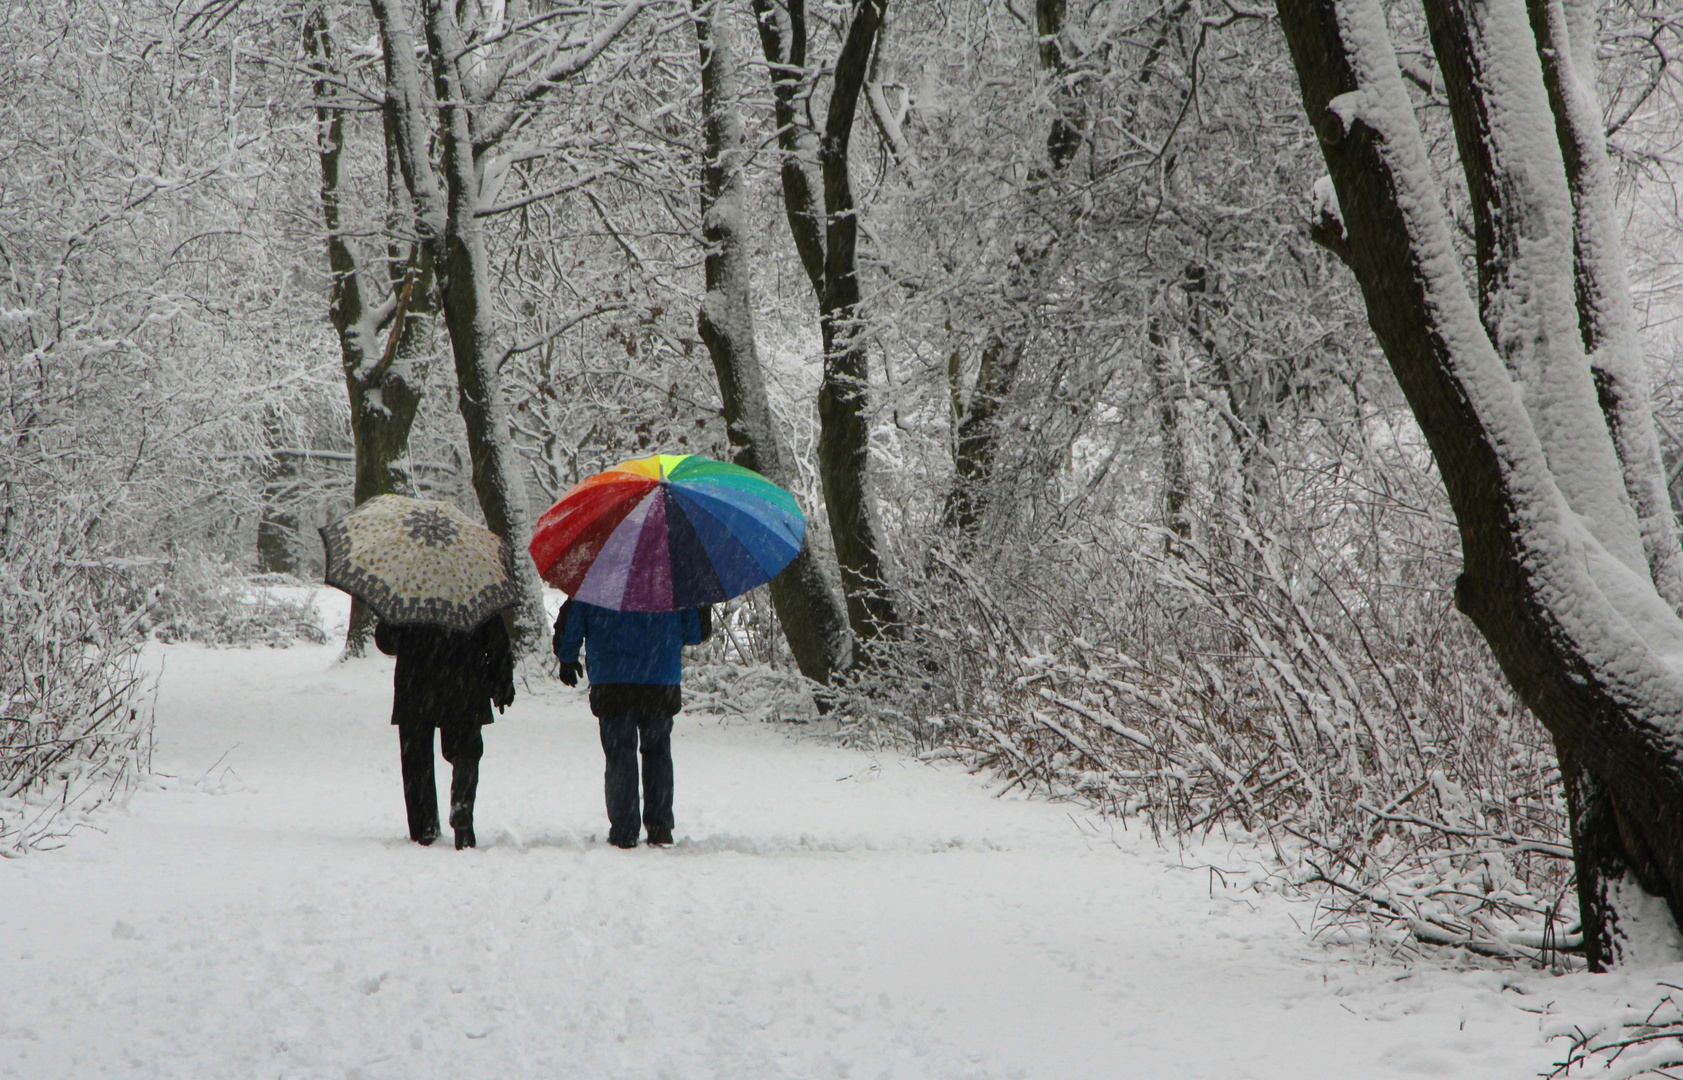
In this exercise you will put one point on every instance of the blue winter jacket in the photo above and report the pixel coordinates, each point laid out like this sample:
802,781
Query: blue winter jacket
640,647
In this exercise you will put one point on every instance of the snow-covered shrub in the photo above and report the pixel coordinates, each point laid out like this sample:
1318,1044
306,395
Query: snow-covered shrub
74,723
1315,690
147,318
206,600
746,670
1628,1043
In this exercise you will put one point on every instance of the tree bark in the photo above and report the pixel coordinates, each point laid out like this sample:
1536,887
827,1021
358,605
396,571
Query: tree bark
1168,391
456,246
1065,138
465,288
1581,633
829,256
978,429
809,606
844,399
783,41
1565,35
384,384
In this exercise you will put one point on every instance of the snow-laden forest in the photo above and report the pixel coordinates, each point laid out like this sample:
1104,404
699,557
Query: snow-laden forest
1253,432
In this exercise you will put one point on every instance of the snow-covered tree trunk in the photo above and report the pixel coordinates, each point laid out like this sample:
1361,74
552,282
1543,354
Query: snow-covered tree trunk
1565,33
465,290
783,40
467,128
383,383
830,256
466,118
809,605
1555,574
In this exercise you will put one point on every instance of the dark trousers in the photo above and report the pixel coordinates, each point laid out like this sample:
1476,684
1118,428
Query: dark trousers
463,746
620,738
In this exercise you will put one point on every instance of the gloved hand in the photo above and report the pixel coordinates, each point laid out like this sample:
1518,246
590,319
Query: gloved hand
570,673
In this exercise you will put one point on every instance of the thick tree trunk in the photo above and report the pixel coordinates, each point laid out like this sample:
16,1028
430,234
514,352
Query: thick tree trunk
465,285
1527,314
829,255
1554,573
809,606
456,244
1603,872
844,399
384,400
383,384
1523,229
1565,36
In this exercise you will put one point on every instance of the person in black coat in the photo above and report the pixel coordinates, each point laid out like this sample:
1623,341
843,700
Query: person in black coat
448,680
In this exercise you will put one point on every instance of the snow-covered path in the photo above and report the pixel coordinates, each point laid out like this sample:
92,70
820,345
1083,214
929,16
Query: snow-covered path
828,914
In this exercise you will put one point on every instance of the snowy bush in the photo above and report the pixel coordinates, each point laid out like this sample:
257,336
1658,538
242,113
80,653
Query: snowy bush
1310,692
74,724
746,670
205,600
1629,1043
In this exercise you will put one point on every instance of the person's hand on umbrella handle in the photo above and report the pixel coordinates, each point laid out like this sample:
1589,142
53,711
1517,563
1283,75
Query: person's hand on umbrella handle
570,673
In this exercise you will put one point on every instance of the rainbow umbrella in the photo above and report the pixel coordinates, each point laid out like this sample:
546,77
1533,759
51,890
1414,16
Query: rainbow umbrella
667,532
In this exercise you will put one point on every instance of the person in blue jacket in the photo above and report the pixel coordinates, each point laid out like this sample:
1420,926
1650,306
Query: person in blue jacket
635,664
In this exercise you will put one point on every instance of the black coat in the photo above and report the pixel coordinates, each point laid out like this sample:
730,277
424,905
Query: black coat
445,677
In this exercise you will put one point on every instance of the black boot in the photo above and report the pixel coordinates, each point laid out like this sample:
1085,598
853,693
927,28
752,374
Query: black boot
660,836
461,819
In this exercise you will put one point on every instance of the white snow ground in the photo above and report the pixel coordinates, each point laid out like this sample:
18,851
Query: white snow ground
828,913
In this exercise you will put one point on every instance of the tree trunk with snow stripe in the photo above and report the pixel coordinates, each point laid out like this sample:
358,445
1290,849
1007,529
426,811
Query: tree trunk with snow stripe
465,289
809,605
1555,571
844,449
469,120
383,382
829,255
1565,33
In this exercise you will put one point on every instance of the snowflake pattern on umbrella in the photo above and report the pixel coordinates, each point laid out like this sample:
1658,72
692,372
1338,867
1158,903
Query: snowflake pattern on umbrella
431,526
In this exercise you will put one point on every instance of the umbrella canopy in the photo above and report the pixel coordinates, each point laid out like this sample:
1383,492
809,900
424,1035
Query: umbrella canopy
667,532
419,561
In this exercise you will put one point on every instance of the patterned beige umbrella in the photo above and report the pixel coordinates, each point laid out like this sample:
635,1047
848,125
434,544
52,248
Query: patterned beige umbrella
419,561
